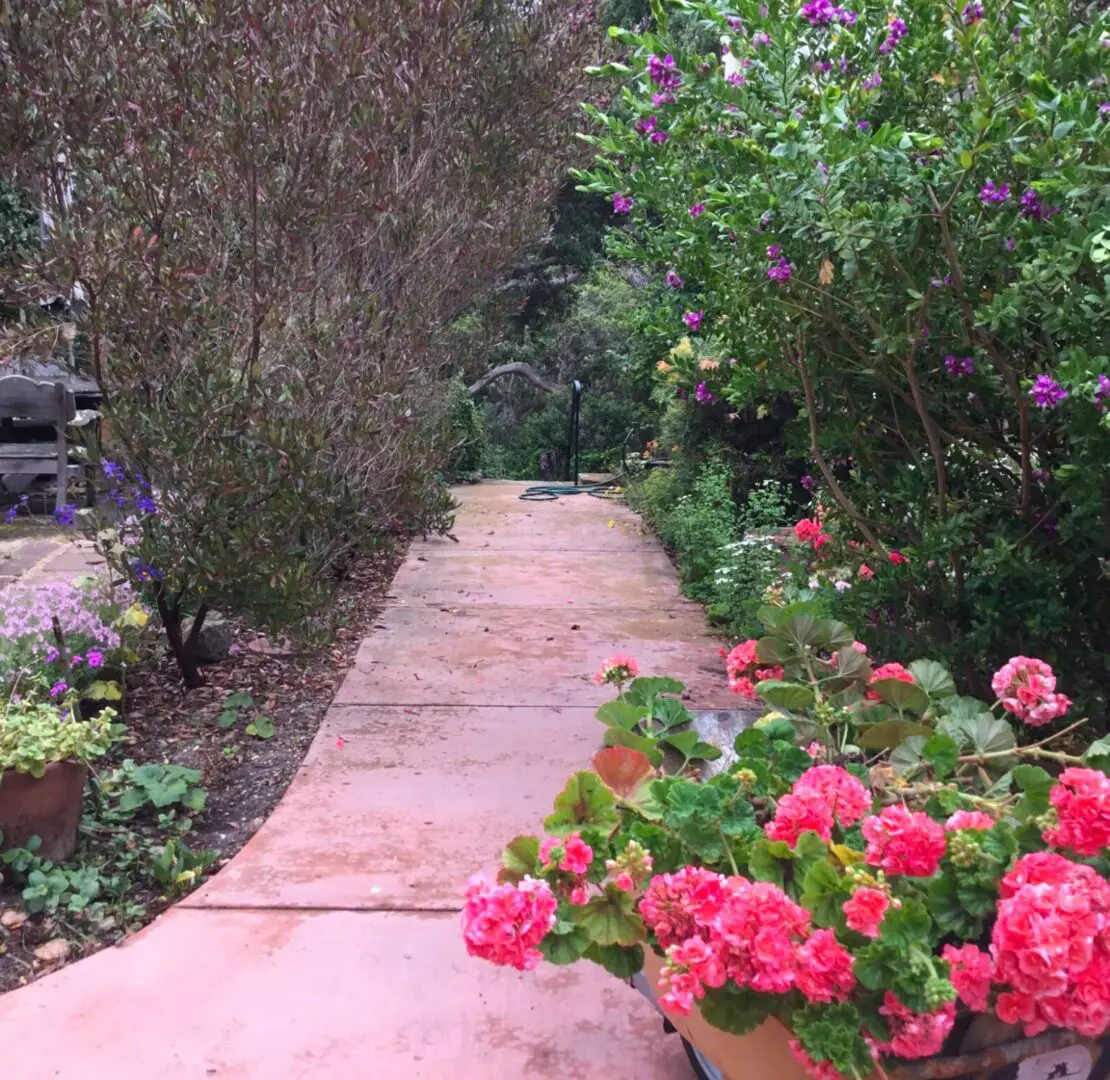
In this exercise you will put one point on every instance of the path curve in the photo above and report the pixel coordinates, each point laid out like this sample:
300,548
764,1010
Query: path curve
329,946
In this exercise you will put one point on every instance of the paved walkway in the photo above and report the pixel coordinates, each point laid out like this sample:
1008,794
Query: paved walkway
330,946
43,554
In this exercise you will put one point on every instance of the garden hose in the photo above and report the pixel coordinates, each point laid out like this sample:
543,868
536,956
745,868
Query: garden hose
607,489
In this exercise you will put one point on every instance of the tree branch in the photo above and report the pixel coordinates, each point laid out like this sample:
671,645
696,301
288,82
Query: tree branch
526,371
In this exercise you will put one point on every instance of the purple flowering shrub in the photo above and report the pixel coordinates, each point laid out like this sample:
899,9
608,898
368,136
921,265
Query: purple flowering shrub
906,229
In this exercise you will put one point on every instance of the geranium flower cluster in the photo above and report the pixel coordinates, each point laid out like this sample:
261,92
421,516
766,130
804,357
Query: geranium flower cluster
619,668
892,670
505,924
717,929
1051,946
571,858
903,841
1026,687
744,671
1081,799
821,797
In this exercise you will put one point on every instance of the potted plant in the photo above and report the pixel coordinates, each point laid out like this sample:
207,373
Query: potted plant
882,872
44,753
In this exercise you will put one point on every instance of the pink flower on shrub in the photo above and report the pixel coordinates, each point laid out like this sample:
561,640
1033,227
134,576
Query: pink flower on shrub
820,540
697,209
915,1035
1026,687
693,319
896,558
865,573
799,812
622,203
59,688
1049,946
807,529
1081,799
971,974
691,966
619,668
824,968
847,798
865,909
969,819
902,841
505,923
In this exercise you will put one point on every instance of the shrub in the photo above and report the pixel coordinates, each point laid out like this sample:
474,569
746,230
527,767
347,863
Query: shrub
269,260
896,222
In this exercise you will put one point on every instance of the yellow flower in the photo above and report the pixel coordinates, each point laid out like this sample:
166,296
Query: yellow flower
683,349
709,364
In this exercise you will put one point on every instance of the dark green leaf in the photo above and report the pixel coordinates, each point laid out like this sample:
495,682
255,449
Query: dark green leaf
904,696
621,714
618,960
890,733
609,919
519,859
584,801
793,697
933,678
942,753
565,948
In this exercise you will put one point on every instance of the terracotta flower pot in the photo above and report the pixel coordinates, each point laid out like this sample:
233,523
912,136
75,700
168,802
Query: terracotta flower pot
49,808
763,1053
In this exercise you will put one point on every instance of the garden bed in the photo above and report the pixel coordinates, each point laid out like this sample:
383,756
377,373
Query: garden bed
244,776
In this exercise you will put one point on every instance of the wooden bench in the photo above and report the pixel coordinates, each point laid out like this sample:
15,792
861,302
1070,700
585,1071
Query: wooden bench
49,403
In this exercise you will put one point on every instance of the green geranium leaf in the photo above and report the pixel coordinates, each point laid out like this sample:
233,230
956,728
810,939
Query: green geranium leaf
520,859
620,714
890,733
734,1010
616,736
619,960
793,697
609,919
907,926
584,801
933,678
767,859
641,691
777,728
1036,784
1098,755
904,696
669,712
942,753
753,742
822,893
565,947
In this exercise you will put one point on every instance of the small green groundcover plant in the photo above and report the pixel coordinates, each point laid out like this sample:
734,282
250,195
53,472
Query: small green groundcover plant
879,857
37,729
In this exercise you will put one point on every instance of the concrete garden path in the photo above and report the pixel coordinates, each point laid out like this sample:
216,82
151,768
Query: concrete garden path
330,946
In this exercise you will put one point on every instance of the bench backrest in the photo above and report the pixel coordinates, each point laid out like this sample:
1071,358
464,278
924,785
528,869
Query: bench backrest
23,397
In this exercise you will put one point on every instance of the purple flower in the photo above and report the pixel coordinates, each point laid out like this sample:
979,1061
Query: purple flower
824,13
759,39
732,361
94,659
145,572
1104,110
972,13
1051,527
774,251
808,482
959,368
621,203
75,660
64,515
51,655
697,209
1033,207
11,514
1102,392
737,78
646,125
112,471
1010,243
58,688
673,280
702,394
864,125
734,22
664,73
693,319
1041,476
1047,392
992,195
872,82
659,100
896,30
659,136
780,271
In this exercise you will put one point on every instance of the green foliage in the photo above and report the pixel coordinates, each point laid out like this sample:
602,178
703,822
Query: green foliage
153,786
466,436
19,224
35,731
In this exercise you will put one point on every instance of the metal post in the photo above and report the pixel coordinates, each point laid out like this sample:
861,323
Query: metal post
572,431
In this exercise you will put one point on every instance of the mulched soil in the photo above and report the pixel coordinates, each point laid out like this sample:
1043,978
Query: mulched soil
244,776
